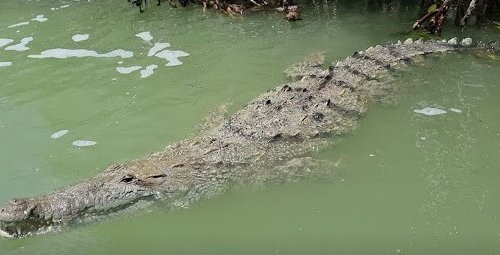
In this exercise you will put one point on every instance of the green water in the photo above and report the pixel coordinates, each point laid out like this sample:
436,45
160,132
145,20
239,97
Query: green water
406,183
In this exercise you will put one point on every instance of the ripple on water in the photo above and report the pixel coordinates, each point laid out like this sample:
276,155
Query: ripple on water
81,53
22,45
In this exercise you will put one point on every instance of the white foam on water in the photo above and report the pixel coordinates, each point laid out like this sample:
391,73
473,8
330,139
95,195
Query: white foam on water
40,18
5,41
148,71
84,143
430,111
22,45
157,48
5,64
456,110
59,134
60,7
127,70
172,56
80,53
146,36
19,24
80,37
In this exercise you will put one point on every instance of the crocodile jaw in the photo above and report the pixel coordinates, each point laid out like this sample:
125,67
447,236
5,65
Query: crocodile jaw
93,198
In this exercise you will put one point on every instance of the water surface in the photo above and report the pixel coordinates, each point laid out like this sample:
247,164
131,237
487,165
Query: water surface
407,183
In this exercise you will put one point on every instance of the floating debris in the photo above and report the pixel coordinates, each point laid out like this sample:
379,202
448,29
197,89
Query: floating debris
157,48
68,53
127,70
80,37
430,111
40,18
456,110
146,36
148,71
59,134
172,56
21,46
19,24
84,143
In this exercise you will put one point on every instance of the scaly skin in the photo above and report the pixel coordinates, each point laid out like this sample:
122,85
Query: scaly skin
249,148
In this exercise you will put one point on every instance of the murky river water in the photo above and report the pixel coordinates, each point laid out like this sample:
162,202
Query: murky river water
407,183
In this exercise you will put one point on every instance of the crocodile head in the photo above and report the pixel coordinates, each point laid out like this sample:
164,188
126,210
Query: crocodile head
106,193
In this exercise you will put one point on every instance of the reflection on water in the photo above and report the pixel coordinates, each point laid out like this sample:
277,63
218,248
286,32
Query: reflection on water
409,183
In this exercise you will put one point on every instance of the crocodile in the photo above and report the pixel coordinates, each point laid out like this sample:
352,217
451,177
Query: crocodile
268,141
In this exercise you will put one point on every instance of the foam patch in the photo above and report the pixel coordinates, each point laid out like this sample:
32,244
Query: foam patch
5,64
80,53
80,37
19,24
21,46
157,48
127,70
146,36
5,41
59,134
148,71
40,18
430,111
172,56
84,143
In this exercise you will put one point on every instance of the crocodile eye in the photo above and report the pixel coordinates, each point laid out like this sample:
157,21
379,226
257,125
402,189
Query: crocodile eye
127,178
